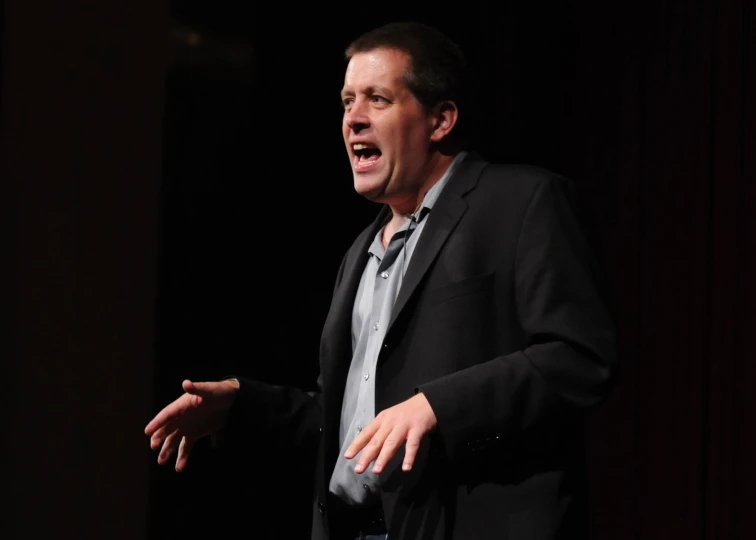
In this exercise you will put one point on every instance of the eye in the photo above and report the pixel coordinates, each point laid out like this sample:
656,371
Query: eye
379,99
347,102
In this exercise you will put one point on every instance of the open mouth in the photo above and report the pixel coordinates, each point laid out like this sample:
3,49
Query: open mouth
365,156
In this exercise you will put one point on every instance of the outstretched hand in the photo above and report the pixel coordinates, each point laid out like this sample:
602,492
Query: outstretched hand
200,411
408,421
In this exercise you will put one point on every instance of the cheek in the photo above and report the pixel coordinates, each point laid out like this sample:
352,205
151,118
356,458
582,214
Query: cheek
407,138
416,133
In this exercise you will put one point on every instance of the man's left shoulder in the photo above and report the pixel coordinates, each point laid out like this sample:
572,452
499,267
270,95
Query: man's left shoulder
521,175
520,181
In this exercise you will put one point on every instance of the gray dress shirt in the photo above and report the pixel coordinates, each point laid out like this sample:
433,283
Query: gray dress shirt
370,316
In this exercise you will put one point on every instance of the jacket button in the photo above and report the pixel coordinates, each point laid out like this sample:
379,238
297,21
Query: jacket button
321,507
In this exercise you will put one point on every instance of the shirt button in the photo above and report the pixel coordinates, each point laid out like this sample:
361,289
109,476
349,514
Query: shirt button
367,376
365,487
384,274
375,326
359,428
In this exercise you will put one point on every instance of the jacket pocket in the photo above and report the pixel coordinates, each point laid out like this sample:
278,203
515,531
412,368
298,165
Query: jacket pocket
475,284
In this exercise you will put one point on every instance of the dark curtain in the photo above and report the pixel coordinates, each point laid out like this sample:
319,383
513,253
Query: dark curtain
660,128
81,103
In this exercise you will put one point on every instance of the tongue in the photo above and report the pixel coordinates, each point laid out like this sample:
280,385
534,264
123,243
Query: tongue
370,155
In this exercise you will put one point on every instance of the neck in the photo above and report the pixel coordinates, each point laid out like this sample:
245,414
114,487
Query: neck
409,205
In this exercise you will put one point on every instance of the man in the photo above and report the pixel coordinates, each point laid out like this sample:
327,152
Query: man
466,337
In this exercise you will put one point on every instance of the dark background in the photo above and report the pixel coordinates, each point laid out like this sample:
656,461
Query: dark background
176,199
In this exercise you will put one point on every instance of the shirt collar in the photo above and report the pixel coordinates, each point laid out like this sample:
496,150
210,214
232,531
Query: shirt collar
430,198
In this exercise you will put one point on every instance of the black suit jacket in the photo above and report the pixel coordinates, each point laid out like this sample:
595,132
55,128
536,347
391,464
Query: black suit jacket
501,323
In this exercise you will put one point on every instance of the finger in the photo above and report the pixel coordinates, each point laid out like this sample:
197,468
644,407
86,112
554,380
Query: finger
371,450
410,450
390,445
184,449
362,439
159,436
169,447
168,414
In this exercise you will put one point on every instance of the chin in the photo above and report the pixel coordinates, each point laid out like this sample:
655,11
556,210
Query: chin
370,188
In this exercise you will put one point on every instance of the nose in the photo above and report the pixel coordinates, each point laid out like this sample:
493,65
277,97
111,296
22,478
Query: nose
355,117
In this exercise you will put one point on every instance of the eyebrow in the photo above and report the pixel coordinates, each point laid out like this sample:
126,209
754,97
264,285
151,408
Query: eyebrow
369,90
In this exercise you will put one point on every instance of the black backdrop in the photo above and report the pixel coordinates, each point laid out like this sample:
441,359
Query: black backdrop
176,199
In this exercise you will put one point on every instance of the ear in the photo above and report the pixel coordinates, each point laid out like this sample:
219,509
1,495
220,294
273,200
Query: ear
444,119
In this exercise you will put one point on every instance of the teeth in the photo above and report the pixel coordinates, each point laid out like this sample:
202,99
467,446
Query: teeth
360,146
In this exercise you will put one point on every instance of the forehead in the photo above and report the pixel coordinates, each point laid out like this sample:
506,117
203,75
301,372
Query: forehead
379,67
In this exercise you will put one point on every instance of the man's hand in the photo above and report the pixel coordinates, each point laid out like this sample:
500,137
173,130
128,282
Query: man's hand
409,421
200,411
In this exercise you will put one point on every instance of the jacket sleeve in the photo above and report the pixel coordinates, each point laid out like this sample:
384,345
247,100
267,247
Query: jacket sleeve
570,359
281,416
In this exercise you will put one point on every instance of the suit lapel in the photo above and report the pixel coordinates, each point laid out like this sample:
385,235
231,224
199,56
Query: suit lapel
446,213
443,218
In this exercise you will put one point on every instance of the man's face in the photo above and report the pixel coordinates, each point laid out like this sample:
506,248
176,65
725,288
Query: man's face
386,130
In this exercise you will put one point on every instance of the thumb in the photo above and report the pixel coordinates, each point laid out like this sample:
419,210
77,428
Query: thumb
202,389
